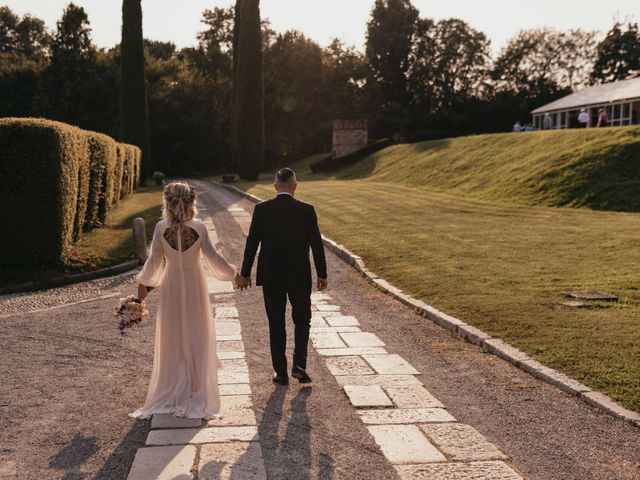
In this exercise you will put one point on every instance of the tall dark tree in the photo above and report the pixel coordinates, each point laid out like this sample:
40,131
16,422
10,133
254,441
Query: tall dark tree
67,90
247,131
449,67
24,46
390,39
618,54
134,116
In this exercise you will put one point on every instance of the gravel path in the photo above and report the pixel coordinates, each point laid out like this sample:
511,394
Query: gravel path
29,302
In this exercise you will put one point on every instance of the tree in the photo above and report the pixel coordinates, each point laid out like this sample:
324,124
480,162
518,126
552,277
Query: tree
296,109
24,44
134,116
247,131
66,91
618,55
390,39
449,67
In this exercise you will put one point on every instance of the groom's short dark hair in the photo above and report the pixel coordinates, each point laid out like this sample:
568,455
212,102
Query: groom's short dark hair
285,175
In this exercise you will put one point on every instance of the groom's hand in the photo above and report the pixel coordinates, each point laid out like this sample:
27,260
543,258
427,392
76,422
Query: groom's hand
322,284
241,282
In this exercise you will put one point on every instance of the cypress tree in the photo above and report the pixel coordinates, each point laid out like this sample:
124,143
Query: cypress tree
134,116
247,130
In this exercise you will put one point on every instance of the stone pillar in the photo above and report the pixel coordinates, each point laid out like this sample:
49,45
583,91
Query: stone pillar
349,136
140,239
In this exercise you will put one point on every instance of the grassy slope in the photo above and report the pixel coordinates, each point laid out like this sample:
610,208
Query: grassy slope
598,168
497,265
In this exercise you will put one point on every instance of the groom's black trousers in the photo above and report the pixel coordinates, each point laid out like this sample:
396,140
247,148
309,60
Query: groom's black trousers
275,302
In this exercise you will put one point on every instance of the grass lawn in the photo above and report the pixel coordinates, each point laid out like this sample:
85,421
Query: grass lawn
500,267
106,246
113,242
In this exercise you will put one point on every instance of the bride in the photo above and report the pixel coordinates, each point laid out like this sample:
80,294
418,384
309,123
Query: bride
184,380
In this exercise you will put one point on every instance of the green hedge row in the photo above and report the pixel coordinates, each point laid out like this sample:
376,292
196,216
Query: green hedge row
57,181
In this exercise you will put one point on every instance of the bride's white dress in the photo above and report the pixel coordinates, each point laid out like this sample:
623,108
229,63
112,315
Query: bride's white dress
184,380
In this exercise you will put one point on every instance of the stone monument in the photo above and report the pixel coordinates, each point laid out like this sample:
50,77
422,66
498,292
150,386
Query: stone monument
349,136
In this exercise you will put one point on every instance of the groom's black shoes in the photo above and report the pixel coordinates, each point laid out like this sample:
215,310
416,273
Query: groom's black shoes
300,374
280,380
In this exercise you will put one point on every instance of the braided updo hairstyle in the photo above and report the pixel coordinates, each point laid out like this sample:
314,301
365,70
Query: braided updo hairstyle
179,203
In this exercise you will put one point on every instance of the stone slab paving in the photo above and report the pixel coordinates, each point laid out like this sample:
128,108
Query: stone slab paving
413,429
361,339
231,461
462,442
163,463
390,364
348,366
367,396
405,444
226,446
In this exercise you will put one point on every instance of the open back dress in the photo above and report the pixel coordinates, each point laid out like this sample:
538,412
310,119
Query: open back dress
184,380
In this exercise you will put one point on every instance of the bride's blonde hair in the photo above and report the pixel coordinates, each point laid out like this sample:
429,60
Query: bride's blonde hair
179,202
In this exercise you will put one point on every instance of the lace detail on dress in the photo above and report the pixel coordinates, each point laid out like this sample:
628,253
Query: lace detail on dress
189,237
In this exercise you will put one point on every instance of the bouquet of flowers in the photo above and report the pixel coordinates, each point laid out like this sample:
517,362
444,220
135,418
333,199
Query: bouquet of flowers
129,311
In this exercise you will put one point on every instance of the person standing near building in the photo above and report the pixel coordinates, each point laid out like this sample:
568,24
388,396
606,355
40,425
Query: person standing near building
603,118
583,118
547,122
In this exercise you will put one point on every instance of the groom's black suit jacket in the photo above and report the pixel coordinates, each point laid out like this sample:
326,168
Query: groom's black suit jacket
285,229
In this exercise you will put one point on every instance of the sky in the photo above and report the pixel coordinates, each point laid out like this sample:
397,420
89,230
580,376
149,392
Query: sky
323,20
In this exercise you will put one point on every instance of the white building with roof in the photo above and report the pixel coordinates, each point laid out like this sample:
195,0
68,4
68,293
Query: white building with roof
621,100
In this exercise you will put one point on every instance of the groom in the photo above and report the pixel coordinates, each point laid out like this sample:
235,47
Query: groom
285,229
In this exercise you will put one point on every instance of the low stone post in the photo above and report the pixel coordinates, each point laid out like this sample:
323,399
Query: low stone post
140,239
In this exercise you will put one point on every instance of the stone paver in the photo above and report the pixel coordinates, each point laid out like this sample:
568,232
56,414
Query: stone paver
361,339
235,389
405,444
230,346
234,417
231,461
230,355
232,377
334,329
183,436
226,312
227,328
461,442
458,471
317,321
391,364
327,340
163,463
367,396
238,365
332,352
413,397
328,308
405,415
348,366
223,338
343,321
166,420
382,380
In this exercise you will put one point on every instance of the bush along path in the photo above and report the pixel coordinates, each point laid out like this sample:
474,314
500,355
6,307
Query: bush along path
465,411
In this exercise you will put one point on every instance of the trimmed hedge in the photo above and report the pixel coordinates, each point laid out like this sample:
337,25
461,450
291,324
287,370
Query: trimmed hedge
57,181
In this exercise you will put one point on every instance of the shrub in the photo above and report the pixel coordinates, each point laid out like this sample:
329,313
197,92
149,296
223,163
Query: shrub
39,170
119,172
57,181
102,157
